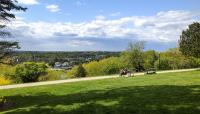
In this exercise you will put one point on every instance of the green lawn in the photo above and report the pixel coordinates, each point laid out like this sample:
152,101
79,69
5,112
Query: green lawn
172,93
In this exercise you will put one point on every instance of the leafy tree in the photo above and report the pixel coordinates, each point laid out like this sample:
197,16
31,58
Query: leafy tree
81,72
6,6
29,71
150,58
134,55
163,64
190,40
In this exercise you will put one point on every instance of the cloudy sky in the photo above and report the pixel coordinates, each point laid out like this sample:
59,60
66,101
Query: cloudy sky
106,25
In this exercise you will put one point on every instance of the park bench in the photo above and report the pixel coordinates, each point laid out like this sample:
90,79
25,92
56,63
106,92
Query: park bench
151,71
126,72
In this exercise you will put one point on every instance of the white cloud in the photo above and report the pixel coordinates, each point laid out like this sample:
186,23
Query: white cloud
79,43
28,2
53,8
162,27
100,17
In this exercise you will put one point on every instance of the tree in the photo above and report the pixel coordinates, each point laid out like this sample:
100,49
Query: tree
134,55
150,58
6,6
190,40
81,72
6,48
29,71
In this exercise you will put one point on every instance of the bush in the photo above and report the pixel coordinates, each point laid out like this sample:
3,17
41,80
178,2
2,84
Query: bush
81,72
77,71
164,64
29,71
173,59
53,75
4,81
111,65
93,68
107,66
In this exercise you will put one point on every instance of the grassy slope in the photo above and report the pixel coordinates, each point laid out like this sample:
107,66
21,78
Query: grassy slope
154,94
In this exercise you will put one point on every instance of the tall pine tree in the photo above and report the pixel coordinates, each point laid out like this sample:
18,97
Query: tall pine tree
6,6
190,40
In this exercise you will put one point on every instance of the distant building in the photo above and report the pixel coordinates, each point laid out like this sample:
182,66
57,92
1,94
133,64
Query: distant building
57,65
65,64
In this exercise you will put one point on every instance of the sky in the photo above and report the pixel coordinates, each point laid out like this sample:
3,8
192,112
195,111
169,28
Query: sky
101,25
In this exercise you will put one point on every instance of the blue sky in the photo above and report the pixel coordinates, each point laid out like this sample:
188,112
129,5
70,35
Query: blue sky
107,25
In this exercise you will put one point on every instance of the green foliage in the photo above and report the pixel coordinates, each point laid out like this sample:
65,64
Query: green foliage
111,65
150,58
6,6
171,59
75,57
93,68
29,71
5,69
190,40
51,75
81,72
174,59
133,56
77,71
107,66
163,64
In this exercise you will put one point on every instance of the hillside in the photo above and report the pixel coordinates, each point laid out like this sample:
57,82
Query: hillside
176,93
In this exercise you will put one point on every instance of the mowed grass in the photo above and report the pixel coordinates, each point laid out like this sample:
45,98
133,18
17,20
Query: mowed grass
171,93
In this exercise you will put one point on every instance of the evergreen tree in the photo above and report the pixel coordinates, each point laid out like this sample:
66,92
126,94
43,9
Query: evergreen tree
81,72
190,40
6,6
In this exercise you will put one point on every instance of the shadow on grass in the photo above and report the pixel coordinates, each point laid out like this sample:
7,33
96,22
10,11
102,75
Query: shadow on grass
127,100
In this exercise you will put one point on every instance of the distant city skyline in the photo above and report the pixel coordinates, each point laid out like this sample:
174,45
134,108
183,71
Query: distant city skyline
101,25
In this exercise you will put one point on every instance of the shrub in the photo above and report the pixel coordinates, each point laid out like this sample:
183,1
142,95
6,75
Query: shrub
164,64
107,66
111,65
93,68
4,69
4,81
71,73
53,75
81,72
77,71
29,71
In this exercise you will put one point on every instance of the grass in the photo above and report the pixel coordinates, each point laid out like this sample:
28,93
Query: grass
171,93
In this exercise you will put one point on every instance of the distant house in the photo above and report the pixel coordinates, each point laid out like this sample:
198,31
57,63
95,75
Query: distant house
57,65
65,64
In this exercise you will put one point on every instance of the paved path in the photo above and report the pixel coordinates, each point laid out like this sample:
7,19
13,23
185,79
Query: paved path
82,79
